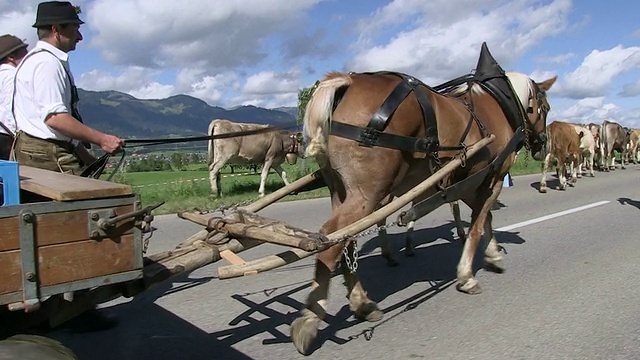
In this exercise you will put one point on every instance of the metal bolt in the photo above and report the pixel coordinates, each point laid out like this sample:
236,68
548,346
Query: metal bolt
28,217
112,213
95,234
95,216
30,276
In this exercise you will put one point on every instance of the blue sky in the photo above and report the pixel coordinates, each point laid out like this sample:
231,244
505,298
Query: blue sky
239,52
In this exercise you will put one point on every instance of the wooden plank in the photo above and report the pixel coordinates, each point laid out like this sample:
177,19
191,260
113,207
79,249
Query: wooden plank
58,228
63,263
10,230
231,257
10,272
66,187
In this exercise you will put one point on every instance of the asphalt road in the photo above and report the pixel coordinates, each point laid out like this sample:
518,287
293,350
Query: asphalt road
570,290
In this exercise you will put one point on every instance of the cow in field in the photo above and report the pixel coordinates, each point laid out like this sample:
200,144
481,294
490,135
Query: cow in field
587,149
270,148
563,144
612,137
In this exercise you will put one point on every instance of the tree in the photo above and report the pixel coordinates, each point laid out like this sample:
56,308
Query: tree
303,98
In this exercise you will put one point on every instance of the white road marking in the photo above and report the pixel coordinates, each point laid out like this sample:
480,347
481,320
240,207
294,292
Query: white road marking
551,216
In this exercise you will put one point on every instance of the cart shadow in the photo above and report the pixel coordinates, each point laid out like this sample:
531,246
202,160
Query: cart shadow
146,330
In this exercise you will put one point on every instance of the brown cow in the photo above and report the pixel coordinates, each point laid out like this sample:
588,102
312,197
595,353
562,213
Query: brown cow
612,137
563,144
269,148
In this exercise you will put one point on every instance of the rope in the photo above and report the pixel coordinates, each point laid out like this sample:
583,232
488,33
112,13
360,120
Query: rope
161,141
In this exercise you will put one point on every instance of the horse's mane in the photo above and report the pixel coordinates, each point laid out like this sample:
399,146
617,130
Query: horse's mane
521,83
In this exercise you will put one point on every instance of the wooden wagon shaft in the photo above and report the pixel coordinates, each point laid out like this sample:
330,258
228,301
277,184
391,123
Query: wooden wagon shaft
287,257
264,202
168,264
267,230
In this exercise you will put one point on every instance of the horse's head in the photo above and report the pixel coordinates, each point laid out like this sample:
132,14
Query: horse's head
533,97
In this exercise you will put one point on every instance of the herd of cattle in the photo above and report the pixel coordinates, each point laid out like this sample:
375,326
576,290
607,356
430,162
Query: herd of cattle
573,147
578,147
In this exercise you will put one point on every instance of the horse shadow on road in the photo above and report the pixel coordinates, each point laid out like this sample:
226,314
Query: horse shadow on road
627,201
433,265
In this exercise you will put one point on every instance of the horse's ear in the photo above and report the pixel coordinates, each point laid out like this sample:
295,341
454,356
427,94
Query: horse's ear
546,85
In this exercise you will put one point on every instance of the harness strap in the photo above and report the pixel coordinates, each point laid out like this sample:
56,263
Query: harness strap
457,190
373,134
380,118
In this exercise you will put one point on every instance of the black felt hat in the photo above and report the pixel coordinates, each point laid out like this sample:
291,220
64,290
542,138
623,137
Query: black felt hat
57,12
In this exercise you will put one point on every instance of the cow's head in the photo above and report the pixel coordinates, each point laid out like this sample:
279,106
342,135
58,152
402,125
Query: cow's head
296,148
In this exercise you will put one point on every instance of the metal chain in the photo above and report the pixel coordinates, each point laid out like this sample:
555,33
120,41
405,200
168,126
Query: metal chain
351,265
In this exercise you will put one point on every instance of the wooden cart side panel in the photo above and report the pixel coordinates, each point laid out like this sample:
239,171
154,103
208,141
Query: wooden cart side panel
66,262
57,228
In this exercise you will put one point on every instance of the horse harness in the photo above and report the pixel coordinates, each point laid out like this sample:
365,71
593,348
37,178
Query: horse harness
493,80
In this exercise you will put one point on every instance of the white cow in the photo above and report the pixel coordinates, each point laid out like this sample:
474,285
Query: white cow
587,149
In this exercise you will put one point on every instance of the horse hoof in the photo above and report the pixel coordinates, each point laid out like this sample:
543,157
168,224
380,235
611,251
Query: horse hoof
304,331
409,251
471,287
369,312
391,262
494,266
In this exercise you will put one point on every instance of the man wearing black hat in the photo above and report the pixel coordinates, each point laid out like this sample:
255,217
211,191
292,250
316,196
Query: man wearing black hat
12,51
50,130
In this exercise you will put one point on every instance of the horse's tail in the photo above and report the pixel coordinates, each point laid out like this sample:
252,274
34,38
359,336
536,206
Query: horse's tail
318,115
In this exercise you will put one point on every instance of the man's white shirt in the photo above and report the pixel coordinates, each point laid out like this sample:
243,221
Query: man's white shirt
7,74
42,89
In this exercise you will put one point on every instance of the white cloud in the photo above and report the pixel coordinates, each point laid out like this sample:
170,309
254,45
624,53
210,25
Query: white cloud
203,33
598,70
558,59
444,39
588,110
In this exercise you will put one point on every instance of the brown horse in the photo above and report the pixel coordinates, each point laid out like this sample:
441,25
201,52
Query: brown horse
377,135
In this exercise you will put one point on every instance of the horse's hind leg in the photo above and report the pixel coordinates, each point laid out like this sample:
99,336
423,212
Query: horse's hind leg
304,329
455,209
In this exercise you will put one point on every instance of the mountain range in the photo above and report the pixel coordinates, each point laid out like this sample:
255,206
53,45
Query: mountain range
177,116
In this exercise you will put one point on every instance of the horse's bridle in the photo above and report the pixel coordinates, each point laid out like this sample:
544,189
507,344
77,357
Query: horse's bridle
542,110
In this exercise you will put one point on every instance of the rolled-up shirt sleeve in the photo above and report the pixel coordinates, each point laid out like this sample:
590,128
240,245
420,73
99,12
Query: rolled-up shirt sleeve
49,89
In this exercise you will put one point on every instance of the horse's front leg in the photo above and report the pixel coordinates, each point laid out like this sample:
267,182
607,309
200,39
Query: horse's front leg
480,206
492,255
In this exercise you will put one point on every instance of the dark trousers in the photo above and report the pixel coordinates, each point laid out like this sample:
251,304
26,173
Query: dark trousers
6,143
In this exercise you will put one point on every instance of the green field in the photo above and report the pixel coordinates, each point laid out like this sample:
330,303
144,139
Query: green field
190,189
